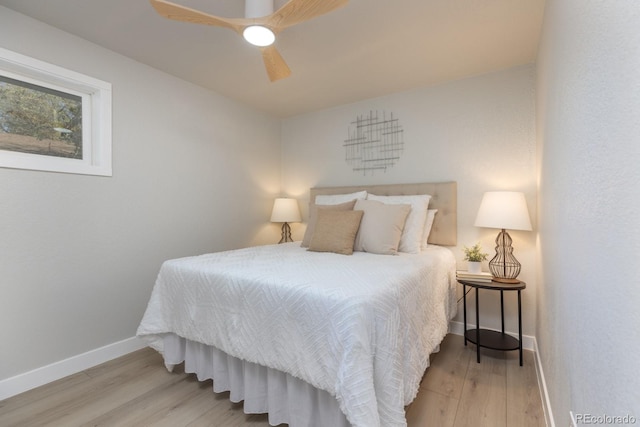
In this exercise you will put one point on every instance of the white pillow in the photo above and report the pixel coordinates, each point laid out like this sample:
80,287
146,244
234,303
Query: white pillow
411,240
336,199
381,227
431,214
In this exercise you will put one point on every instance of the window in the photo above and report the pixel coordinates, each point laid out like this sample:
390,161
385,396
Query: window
53,119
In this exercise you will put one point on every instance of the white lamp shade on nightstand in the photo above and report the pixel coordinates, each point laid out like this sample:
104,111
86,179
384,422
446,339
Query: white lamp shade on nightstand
503,209
285,210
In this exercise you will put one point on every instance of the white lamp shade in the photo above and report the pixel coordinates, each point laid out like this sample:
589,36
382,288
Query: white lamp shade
503,209
285,210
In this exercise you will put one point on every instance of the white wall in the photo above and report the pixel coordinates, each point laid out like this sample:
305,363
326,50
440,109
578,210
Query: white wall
589,229
479,132
192,172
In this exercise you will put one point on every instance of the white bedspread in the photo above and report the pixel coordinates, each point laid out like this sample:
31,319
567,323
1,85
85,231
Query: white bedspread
360,327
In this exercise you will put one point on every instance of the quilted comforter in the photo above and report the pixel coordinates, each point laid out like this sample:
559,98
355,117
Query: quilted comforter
360,327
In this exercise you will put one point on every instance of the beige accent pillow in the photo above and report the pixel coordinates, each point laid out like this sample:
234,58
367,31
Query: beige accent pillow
411,240
381,227
335,231
313,215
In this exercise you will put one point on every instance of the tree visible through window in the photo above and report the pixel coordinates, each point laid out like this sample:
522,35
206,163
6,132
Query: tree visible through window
38,120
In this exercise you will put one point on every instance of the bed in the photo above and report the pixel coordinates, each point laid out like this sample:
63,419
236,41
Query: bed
312,338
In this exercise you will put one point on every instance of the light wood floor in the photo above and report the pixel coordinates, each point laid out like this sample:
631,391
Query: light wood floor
136,390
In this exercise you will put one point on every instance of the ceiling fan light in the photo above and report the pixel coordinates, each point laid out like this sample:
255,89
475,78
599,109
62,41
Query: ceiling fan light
258,35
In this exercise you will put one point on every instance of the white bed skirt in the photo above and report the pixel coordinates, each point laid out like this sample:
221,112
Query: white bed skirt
285,398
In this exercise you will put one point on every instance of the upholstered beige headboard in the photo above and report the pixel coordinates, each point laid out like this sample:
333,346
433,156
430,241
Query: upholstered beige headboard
444,197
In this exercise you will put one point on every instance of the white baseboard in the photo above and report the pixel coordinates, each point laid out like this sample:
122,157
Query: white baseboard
544,393
55,371
528,343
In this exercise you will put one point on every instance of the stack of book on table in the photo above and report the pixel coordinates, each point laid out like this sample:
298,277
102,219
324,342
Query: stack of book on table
476,277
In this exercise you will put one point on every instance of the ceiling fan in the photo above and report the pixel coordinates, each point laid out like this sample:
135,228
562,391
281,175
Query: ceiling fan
260,24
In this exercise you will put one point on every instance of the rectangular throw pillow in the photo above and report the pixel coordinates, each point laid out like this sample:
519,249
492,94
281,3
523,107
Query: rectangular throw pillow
411,240
335,231
381,227
428,224
313,217
334,199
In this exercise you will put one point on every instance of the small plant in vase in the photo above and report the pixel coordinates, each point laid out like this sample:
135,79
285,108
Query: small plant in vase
474,256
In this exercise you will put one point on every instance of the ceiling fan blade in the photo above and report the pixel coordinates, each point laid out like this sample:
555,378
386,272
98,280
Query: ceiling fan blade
183,13
297,11
274,63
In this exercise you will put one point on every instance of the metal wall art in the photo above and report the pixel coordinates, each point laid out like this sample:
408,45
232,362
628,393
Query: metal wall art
375,142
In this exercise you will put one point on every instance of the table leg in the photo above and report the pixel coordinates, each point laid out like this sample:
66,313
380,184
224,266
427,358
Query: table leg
520,325
477,325
464,303
502,309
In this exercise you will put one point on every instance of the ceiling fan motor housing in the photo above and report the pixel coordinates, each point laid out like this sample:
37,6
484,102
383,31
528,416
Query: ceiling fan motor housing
257,8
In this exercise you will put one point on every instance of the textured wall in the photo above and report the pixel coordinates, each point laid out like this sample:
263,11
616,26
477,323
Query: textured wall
589,231
479,132
192,172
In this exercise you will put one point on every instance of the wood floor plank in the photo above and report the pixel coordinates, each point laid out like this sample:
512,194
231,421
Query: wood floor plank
221,404
229,415
144,356
432,409
46,401
79,404
81,412
448,368
484,395
232,416
157,403
206,419
136,390
524,405
31,397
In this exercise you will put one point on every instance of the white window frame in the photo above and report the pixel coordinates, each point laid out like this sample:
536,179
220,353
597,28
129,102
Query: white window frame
96,116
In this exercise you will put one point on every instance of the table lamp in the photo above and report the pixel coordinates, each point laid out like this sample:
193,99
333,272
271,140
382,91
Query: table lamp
504,210
285,210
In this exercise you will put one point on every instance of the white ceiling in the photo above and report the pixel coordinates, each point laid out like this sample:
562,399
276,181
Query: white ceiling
366,49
